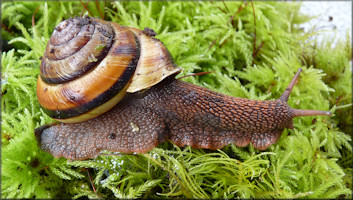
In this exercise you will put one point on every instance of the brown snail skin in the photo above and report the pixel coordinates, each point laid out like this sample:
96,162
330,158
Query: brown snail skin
158,108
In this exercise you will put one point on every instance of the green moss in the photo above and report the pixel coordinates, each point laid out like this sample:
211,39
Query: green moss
311,161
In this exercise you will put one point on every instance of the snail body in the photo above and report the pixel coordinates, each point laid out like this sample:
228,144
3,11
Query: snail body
154,106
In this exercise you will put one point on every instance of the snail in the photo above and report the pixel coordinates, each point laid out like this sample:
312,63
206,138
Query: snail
92,66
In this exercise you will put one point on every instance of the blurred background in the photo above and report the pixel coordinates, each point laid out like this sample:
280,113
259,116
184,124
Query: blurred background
332,15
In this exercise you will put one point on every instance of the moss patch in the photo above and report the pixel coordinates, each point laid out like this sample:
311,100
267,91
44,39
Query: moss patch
254,49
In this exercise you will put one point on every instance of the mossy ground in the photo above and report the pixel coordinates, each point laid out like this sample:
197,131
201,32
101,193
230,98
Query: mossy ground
254,48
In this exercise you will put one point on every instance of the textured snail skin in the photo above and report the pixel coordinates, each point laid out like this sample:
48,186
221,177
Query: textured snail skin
185,114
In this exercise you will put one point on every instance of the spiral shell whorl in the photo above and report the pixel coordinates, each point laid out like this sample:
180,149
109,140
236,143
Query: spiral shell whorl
100,85
75,47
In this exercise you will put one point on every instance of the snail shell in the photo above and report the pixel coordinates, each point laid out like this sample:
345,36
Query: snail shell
90,64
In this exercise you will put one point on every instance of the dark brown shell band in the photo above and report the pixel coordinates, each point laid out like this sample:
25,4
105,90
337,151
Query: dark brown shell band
101,99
